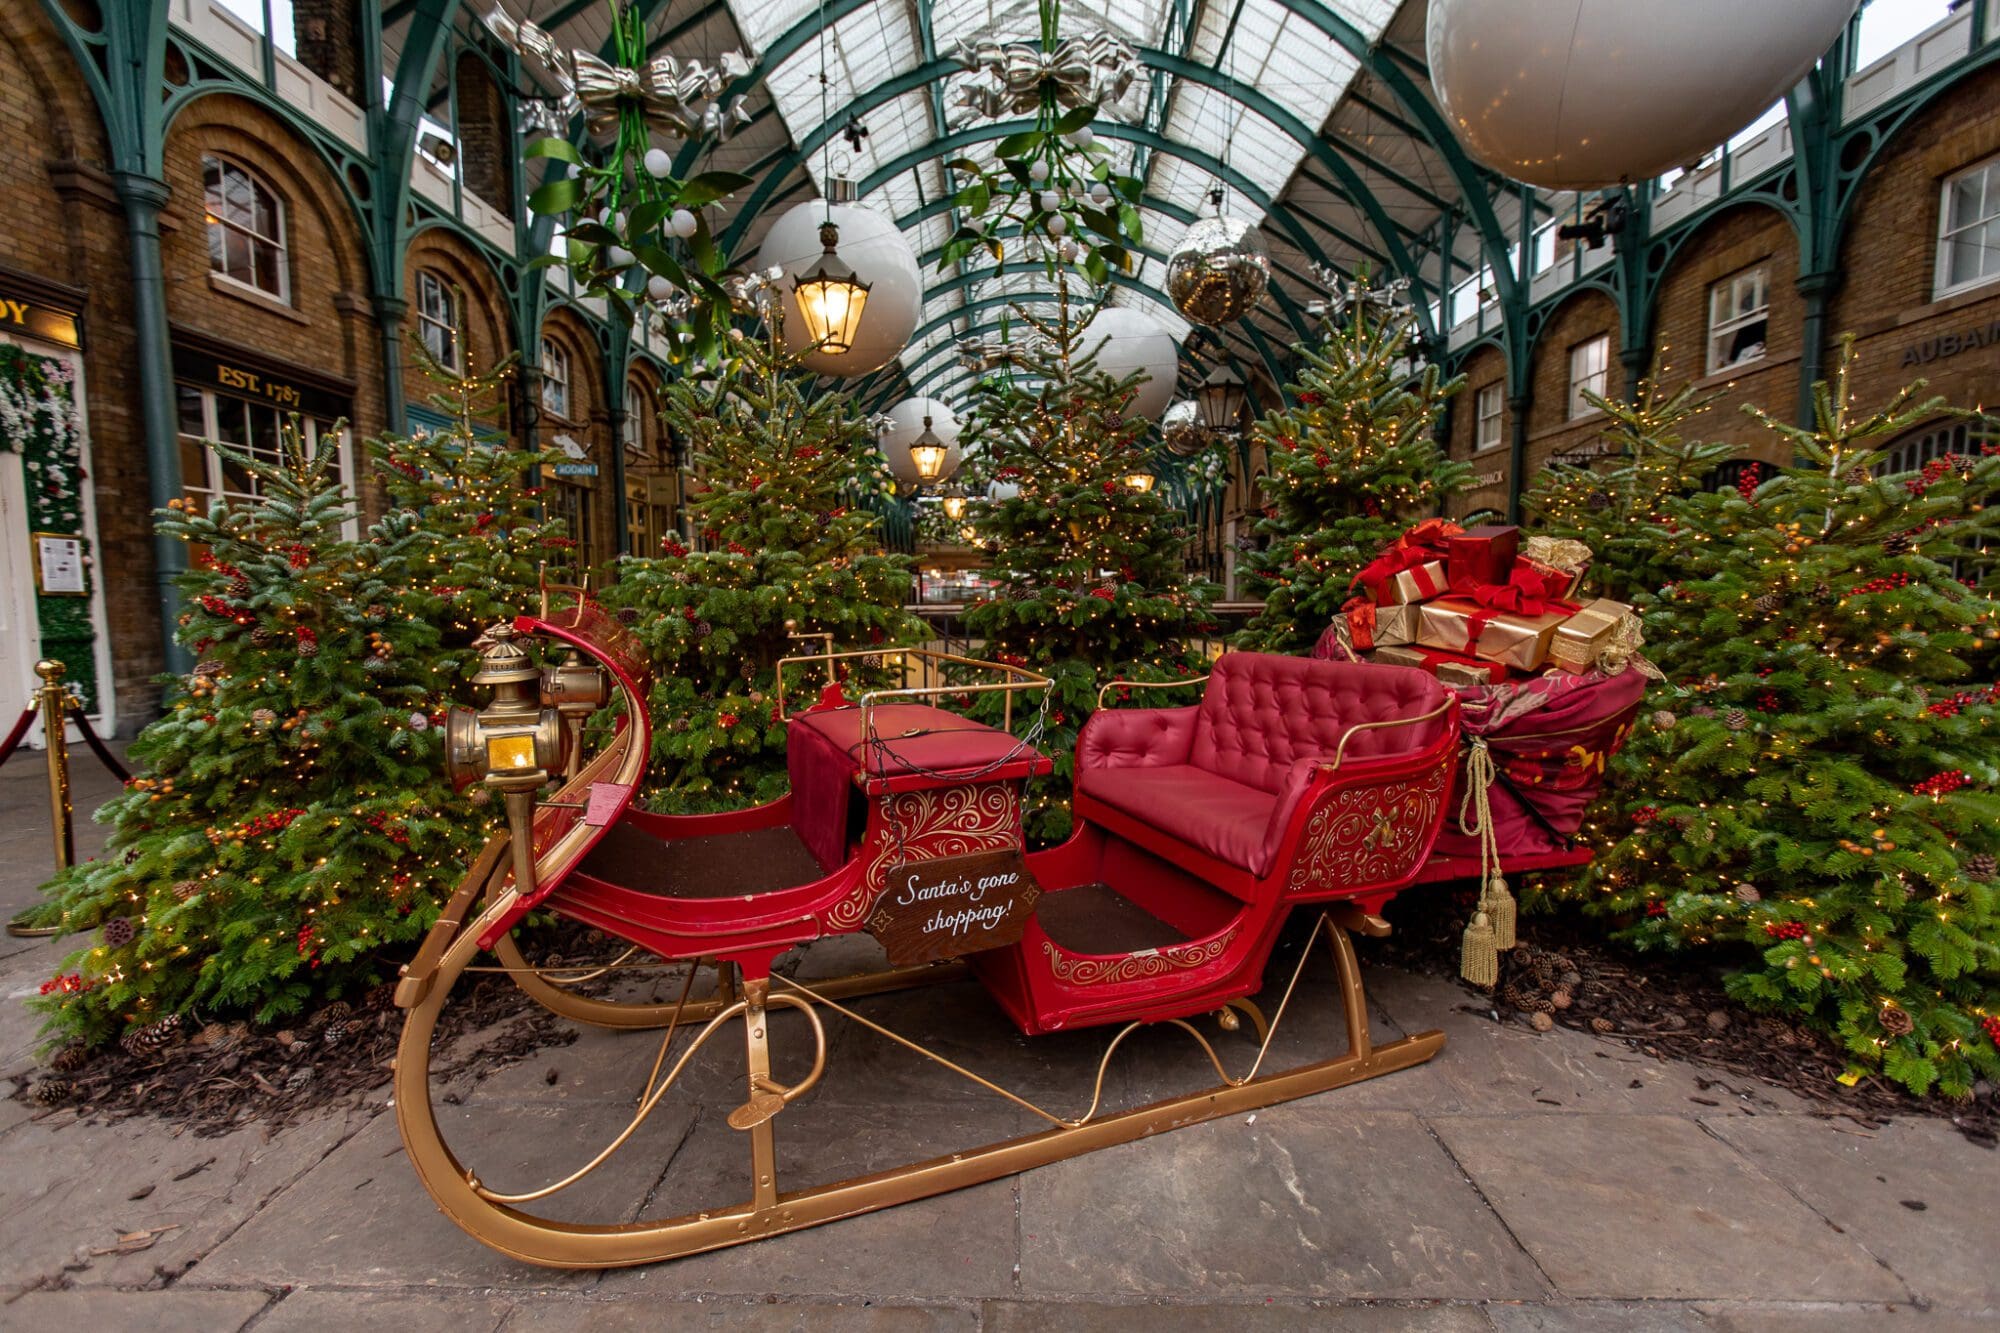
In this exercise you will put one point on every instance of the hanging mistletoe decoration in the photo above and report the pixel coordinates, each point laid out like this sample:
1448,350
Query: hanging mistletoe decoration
636,231
1054,182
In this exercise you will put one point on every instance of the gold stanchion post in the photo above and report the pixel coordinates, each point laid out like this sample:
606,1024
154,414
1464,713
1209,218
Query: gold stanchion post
53,698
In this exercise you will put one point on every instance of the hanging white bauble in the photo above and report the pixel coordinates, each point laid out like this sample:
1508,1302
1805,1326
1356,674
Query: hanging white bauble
683,223
659,162
1050,201
1126,341
659,288
1099,192
882,258
1057,224
997,491
1082,137
1038,171
907,423
1182,431
1219,271
1578,94
618,257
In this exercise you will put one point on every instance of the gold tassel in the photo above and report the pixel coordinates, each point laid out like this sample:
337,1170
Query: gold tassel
1479,961
1499,905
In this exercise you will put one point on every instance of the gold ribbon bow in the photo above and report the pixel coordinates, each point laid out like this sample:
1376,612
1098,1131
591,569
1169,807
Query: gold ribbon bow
1627,638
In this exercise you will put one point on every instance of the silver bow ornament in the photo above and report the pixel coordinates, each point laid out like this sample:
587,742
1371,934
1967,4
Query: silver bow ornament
1007,78
679,97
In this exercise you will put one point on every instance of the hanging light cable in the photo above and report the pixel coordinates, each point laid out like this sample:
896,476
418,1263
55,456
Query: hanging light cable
831,297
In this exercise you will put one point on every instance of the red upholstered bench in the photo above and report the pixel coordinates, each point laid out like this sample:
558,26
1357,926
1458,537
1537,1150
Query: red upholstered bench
1228,778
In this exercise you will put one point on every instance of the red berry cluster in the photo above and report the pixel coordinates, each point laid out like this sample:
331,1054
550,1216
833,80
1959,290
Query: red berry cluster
1934,472
690,615
1785,930
1312,398
483,522
1007,474
1746,485
1110,488
306,940
807,453
73,983
1962,700
738,548
397,833
1887,583
1105,594
1645,814
1768,702
672,548
726,720
215,606
299,555
1942,784
1991,1023
559,543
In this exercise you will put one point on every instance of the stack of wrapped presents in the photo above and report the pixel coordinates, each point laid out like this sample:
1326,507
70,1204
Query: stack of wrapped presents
1484,605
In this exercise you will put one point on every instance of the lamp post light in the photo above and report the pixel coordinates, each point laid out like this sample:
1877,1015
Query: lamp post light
831,298
1222,396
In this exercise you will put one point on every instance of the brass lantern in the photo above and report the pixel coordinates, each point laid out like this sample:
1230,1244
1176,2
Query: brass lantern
928,452
1222,396
954,503
1141,479
831,298
575,688
513,743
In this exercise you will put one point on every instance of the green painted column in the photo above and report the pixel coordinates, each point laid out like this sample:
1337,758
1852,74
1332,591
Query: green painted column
1517,452
389,314
143,197
1817,291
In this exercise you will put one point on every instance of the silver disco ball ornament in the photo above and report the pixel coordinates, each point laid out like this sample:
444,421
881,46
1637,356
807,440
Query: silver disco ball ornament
1219,272
1181,429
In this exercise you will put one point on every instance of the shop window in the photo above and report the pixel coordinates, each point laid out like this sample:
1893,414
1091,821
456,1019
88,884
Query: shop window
1488,410
1969,229
438,320
248,428
246,228
1913,451
636,409
1589,372
555,380
572,506
1739,316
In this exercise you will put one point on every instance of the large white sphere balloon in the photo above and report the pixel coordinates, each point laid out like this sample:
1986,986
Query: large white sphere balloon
1578,94
908,417
1125,341
881,257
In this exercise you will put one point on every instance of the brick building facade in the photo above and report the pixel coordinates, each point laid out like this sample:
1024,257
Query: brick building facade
280,318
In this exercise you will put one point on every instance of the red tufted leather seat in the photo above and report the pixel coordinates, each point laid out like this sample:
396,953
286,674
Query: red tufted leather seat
1225,775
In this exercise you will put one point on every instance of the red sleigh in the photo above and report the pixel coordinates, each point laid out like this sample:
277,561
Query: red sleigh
1292,783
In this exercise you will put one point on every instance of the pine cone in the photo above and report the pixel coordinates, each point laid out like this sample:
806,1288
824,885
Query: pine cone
1601,1025
337,1011
207,670
186,889
153,1038
1748,894
336,1032
1770,604
1896,1021
260,637
308,647
1822,592
70,1058
119,932
53,1091
1898,543
1737,719
1981,866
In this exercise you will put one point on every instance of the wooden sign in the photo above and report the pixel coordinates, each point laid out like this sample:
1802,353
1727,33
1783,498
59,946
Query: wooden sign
953,905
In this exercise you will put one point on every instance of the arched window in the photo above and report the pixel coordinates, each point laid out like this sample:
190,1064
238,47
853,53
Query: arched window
246,228
438,320
1927,444
637,407
555,380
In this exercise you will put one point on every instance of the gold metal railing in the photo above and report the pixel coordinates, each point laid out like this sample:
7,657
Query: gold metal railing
930,664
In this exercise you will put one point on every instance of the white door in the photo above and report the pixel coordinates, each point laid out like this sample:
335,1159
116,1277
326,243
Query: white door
20,633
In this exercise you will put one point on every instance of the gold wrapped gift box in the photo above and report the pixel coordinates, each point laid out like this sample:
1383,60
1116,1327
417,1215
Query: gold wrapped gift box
1519,641
1415,585
1584,636
1571,557
1395,625
1404,657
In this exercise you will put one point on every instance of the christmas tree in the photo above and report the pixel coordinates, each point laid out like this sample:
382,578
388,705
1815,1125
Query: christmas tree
785,507
1616,504
476,554
1821,795
1088,566
292,817
1352,461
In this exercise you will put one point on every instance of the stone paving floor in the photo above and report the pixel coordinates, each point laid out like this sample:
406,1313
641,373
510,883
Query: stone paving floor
1518,1182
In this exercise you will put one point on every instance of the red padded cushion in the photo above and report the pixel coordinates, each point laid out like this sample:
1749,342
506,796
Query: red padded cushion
917,739
1262,713
1135,737
1226,819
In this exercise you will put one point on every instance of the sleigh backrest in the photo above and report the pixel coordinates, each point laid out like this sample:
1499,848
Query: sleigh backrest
1262,713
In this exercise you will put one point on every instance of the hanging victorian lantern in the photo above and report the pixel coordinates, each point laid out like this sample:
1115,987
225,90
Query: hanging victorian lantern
1222,397
831,297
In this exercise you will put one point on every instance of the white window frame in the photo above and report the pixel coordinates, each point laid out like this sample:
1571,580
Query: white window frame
1724,325
1585,375
281,259
555,380
635,407
1951,228
212,484
440,327
1489,409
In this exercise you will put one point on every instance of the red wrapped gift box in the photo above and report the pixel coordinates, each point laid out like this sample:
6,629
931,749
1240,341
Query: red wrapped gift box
1481,556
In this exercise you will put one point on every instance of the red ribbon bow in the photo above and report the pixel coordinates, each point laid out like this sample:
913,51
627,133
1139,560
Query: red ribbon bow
1425,542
